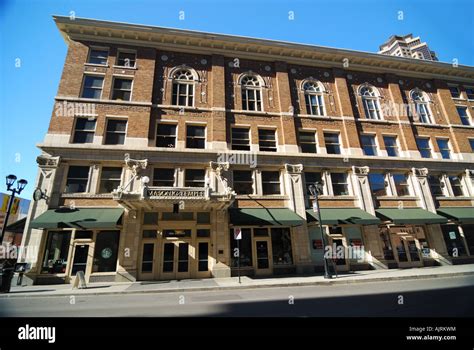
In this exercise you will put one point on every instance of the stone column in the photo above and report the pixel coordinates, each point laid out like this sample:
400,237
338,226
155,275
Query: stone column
422,189
129,246
221,244
362,190
48,180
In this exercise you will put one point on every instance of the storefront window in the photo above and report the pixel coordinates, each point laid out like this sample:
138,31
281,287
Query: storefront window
454,241
57,251
281,246
106,249
245,249
386,246
469,235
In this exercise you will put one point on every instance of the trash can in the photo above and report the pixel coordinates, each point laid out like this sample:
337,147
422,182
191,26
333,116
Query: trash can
6,275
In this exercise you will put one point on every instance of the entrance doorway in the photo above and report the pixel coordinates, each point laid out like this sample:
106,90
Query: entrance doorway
406,246
176,259
263,257
79,262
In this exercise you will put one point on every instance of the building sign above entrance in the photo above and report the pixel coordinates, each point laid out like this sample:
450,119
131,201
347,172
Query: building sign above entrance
168,193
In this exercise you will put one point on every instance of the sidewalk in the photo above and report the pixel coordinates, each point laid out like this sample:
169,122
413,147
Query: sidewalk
232,283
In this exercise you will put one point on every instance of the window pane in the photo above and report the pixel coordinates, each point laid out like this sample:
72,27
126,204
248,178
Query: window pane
271,182
281,246
106,248
194,178
454,91
195,136
307,142
92,87
331,141
401,184
266,140
126,59
462,111
339,184
147,257
204,218
310,179
110,179
424,147
240,139
391,145
369,146
122,89
56,252
166,135
203,256
436,186
77,179
243,182
456,186
377,184
98,56
150,218
163,177
444,149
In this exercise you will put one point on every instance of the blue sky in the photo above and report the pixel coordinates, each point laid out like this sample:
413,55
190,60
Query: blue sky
28,33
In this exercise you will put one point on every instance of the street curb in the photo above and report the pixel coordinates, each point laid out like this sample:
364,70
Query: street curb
241,287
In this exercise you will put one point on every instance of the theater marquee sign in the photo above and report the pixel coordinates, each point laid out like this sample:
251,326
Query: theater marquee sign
183,193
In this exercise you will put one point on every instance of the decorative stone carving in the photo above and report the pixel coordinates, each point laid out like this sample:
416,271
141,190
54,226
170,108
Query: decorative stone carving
135,165
47,161
219,168
470,173
294,168
420,171
361,170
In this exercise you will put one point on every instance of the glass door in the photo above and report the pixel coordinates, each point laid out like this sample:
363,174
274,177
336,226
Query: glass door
263,257
79,262
175,260
203,269
147,267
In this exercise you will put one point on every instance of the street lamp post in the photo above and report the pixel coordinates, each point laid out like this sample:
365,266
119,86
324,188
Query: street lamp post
316,190
10,180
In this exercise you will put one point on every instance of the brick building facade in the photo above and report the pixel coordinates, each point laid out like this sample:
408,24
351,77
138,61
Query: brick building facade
162,141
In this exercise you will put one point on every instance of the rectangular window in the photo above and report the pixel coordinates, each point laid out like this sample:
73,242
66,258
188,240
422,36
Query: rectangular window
462,112
310,179
150,234
423,144
454,90
203,256
147,257
166,135
443,145
195,136
84,131
92,86
281,246
116,131
271,182
163,177
436,185
240,139
106,249
110,179
456,186
150,218
267,140
471,142
470,93
77,178
368,145
98,56
56,252
391,146
340,186
122,89
126,59
331,140
203,218
194,178
401,185
243,182
377,184
308,141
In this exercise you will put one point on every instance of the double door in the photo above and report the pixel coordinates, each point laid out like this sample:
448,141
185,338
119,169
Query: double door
406,250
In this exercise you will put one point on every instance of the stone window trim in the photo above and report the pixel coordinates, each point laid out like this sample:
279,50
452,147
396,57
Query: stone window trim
421,103
393,189
449,148
126,51
183,77
314,88
450,185
328,132
119,118
123,77
455,89
97,48
328,187
251,87
89,178
96,75
370,100
430,145
467,117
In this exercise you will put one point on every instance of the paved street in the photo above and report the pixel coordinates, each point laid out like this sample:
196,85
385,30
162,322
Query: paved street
436,297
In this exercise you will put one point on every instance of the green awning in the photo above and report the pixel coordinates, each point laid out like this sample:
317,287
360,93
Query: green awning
78,218
410,216
338,216
264,217
464,215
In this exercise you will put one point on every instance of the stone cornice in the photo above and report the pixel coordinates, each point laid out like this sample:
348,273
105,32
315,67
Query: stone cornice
252,48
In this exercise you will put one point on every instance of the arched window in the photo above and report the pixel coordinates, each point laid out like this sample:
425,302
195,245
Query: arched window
370,101
422,110
313,95
183,87
251,93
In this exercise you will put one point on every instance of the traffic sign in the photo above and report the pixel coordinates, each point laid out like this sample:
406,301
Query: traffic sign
237,233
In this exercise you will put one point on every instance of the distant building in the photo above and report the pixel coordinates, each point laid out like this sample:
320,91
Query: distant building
407,46
19,211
